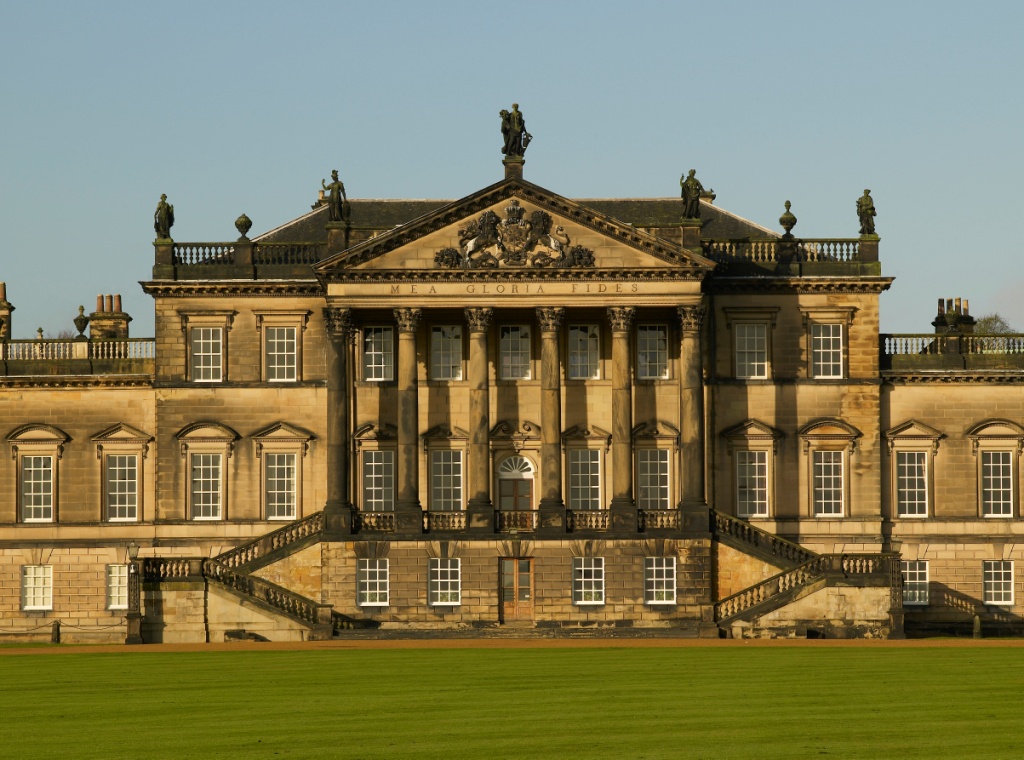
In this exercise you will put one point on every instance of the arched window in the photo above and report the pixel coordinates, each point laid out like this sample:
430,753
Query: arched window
515,484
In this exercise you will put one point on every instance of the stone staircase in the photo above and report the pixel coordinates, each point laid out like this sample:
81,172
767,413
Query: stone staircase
805,572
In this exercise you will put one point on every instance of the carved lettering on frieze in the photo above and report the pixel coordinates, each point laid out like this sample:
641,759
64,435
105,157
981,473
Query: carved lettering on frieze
621,317
408,319
491,242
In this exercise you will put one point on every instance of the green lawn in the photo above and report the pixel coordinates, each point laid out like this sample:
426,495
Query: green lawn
517,703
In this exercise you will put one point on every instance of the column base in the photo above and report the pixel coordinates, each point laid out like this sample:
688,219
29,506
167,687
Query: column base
337,519
480,516
624,515
551,516
134,634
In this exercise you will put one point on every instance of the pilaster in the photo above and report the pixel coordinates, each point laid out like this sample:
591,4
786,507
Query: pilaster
691,412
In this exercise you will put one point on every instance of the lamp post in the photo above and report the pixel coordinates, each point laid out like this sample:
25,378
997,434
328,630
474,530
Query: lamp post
134,597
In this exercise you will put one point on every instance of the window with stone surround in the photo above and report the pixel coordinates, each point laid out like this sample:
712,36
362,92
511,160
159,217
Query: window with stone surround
997,446
652,479
915,582
117,587
514,352
588,580
205,448
372,580
446,352
444,582
829,443
584,476
121,450
37,448
378,480
584,352
751,447
207,349
912,448
37,587
660,580
997,577
282,344
281,447
751,340
827,331
445,480
651,351
378,354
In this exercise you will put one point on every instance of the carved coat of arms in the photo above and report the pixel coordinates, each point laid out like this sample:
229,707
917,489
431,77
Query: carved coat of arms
490,242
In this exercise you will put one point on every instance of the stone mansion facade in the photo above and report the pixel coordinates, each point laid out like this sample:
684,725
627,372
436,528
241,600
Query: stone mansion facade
511,410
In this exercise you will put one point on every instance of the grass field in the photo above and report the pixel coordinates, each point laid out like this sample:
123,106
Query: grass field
871,702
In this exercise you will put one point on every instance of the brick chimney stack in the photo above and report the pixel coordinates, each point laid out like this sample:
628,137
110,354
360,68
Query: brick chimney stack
953,317
108,322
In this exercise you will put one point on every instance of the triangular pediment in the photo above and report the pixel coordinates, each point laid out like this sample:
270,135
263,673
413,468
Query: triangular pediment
752,430
282,431
513,228
121,433
913,430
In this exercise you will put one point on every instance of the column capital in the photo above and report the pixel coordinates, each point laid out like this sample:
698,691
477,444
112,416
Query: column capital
408,319
691,317
550,318
339,322
479,319
621,317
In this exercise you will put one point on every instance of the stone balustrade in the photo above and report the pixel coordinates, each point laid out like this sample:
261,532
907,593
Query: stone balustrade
374,521
745,533
658,519
251,551
433,521
509,520
588,519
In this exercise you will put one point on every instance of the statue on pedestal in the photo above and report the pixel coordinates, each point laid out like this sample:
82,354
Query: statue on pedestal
513,129
337,202
691,190
866,212
163,218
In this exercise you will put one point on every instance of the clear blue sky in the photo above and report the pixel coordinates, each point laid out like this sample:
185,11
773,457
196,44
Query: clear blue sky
245,107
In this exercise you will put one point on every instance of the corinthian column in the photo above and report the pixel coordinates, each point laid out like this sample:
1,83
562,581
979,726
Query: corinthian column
622,505
552,506
481,514
407,506
338,510
691,407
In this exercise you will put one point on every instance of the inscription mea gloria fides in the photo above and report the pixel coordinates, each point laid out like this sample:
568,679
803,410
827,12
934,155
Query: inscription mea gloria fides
514,288
491,242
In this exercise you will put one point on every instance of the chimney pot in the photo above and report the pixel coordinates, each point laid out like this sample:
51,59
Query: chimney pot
99,303
117,303
108,302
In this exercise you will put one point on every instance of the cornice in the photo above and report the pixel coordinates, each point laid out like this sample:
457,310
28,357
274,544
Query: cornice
76,381
799,284
233,288
953,377
514,275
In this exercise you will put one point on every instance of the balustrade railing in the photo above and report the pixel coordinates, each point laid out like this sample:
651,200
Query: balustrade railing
288,534
992,344
130,348
64,349
912,344
167,568
275,596
922,344
588,519
444,521
727,525
382,521
199,254
651,519
283,254
767,251
507,519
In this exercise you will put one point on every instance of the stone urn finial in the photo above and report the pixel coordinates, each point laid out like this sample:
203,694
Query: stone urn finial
243,224
788,221
81,322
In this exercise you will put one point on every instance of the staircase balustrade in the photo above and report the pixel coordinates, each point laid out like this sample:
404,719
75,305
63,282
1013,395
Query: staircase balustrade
252,550
744,532
275,596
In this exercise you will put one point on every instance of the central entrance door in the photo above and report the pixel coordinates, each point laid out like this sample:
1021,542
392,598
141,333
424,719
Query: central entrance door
516,589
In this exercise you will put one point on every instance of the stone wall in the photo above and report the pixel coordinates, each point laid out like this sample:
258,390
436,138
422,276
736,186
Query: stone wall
831,612
735,570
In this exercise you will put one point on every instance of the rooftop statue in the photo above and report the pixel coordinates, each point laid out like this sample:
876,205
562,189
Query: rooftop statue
691,192
163,218
513,129
866,212
337,202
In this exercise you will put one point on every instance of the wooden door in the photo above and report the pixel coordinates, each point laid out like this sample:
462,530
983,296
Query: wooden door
516,589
